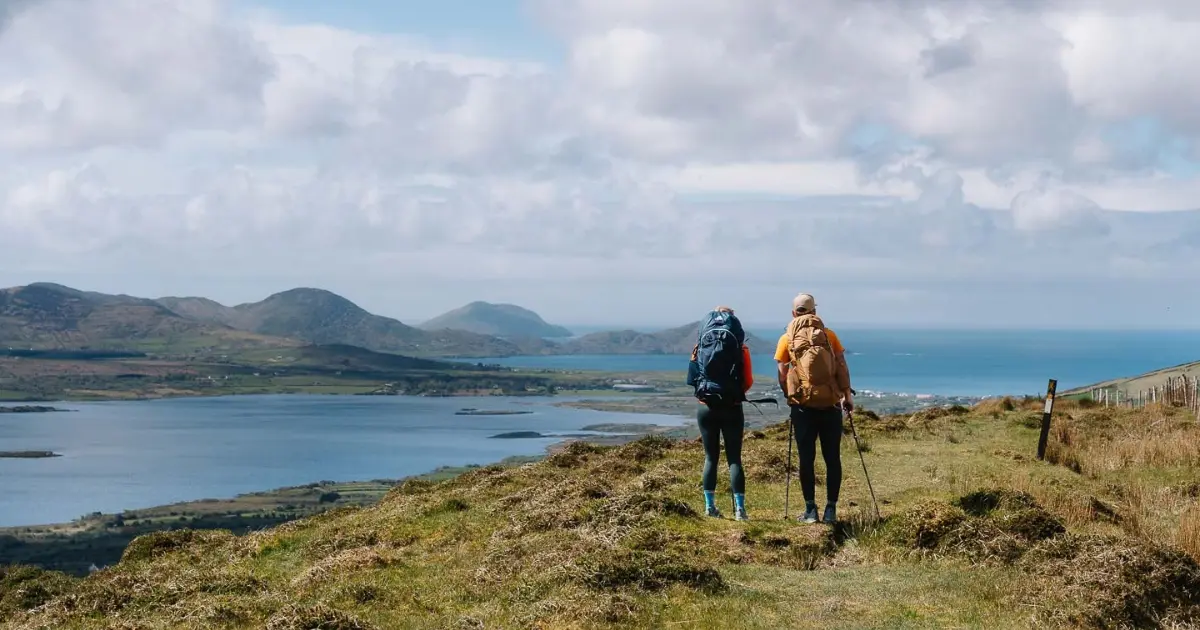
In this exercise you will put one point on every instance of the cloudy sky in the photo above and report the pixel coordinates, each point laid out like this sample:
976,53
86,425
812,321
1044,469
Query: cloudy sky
940,162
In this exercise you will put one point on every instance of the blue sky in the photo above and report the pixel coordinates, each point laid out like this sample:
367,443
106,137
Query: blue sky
500,28
1149,139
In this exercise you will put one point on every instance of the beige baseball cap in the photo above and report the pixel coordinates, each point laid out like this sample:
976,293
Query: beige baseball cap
804,303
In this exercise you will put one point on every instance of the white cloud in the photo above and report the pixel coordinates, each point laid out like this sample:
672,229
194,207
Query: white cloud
81,73
912,143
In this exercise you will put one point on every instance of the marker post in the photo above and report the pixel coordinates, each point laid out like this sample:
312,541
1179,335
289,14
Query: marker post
1047,411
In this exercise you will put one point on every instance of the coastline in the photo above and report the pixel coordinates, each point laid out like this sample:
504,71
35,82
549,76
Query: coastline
99,539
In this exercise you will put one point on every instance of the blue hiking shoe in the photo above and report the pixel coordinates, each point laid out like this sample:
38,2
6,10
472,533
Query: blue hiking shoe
830,515
713,512
810,513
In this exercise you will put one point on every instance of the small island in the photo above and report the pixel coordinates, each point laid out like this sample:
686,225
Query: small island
471,411
30,409
519,435
28,454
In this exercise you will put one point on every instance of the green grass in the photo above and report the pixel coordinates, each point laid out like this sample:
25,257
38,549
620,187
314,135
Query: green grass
976,533
8,395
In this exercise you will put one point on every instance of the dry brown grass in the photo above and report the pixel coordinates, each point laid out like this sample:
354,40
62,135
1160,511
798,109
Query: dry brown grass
25,588
985,526
341,563
1101,582
1097,441
1187,537
318,617
1076,509
1132,452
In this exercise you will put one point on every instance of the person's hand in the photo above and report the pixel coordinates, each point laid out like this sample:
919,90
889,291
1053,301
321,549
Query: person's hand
848,403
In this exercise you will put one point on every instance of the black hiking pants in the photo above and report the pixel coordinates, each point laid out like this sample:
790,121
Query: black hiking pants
810,424
730,422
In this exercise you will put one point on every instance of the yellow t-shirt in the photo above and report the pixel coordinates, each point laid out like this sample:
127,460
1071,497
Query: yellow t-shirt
783,356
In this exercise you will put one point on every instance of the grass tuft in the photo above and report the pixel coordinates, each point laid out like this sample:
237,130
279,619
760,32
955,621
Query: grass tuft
646,449
317,617
648,570
1097,581
574,454
23,588
992,525
156,544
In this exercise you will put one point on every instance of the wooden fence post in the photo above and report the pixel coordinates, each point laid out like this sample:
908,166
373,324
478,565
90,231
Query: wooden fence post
1046,412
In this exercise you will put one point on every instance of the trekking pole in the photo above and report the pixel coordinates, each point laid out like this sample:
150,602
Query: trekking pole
858,447
787,488
762,401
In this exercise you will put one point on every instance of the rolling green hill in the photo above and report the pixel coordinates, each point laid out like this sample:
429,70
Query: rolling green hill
500,320
51,316
322,317
43,315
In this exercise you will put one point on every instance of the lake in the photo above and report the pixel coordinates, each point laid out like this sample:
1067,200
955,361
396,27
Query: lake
138,454
950,362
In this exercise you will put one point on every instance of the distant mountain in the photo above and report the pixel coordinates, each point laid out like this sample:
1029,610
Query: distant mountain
46,315
678,340
50,316
320,317
202,309
500,320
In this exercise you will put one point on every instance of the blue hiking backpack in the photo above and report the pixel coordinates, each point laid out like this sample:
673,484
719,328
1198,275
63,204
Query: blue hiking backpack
715,370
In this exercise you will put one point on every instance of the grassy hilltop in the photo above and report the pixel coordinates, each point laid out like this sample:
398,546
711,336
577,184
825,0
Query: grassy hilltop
502,320
1106,533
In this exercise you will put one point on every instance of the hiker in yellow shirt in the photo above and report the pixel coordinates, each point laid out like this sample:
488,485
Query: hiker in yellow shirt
818,390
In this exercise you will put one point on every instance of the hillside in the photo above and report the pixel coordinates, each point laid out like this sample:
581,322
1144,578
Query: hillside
974,533
500,320
322,317
44,315
203,310
679,340
1143,382
51,316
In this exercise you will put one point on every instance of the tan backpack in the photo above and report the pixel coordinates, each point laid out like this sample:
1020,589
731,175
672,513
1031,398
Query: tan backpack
815,378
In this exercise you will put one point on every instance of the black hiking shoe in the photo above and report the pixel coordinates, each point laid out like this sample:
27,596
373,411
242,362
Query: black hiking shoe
830,515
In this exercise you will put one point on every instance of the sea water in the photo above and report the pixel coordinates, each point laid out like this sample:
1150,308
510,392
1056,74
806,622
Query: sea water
137,454
950,362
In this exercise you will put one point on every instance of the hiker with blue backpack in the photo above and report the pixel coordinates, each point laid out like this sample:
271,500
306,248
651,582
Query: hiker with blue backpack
721,374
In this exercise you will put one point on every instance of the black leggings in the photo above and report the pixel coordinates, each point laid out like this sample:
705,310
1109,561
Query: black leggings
715,422
825,424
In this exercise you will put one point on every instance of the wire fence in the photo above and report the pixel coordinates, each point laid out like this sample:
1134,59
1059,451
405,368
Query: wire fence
1175,391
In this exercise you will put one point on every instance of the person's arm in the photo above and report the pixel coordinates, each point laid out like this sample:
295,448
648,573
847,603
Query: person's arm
782,361
747,369
842,372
